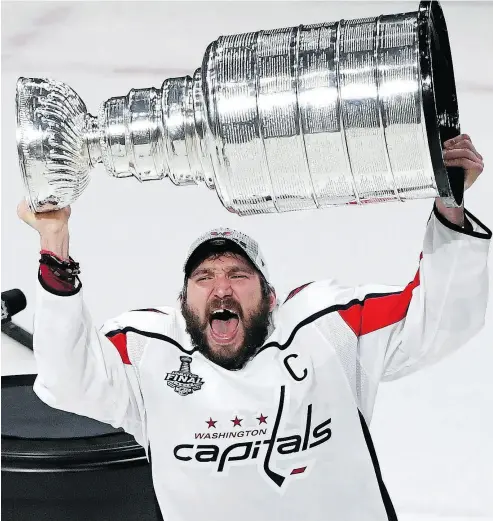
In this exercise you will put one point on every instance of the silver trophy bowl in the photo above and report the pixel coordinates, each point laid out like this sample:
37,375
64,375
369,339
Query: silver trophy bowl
338,113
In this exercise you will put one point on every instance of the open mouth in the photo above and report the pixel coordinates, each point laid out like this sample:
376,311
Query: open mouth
224,325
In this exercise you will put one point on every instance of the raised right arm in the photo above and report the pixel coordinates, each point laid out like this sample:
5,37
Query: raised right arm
80,369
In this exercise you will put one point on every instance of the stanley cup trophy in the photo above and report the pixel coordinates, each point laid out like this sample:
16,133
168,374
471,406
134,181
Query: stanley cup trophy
347,112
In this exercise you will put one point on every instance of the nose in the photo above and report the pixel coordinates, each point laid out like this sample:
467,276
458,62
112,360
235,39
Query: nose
222,287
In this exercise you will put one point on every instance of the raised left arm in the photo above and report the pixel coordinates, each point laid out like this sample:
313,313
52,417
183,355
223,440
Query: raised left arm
449,304
400,330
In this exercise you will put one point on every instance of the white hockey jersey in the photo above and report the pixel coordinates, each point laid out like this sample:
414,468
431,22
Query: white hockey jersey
286,438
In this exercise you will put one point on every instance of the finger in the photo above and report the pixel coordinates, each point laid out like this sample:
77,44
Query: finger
467,164
471,146
24,213
458,143
451,142
462,141
465,143
458,153
22,209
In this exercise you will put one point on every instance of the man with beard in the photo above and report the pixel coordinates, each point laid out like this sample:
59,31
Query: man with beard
254,410
226,318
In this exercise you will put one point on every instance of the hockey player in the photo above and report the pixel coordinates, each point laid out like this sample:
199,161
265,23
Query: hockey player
254,409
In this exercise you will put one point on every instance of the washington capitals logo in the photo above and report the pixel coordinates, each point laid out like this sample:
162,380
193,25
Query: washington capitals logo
271,448
183,381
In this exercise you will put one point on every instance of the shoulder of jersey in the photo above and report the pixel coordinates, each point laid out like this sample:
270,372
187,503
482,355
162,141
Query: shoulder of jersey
295,291
314,298
325,289
150,320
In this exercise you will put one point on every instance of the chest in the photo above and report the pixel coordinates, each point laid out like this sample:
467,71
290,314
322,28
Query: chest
288,421
294,386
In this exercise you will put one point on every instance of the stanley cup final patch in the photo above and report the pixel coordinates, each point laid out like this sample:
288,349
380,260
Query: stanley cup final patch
183,381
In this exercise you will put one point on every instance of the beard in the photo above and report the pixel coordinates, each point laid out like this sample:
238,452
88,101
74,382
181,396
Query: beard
256,329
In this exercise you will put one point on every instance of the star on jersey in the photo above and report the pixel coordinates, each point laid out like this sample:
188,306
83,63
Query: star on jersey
262,419
211,423
237,421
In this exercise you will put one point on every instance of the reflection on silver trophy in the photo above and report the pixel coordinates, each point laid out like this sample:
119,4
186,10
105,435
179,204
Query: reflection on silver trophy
338,113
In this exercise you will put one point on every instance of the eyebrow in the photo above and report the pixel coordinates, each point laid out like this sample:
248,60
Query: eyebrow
234,269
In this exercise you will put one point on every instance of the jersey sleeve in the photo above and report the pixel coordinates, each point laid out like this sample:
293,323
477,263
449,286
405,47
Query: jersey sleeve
402,329
82,369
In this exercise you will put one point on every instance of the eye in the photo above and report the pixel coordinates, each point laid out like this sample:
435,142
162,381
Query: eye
205,277
238,276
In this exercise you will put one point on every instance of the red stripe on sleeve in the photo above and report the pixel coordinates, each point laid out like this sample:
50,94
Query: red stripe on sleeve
120,342
378,312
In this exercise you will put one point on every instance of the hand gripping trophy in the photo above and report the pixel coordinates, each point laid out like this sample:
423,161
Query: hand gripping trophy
347,112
